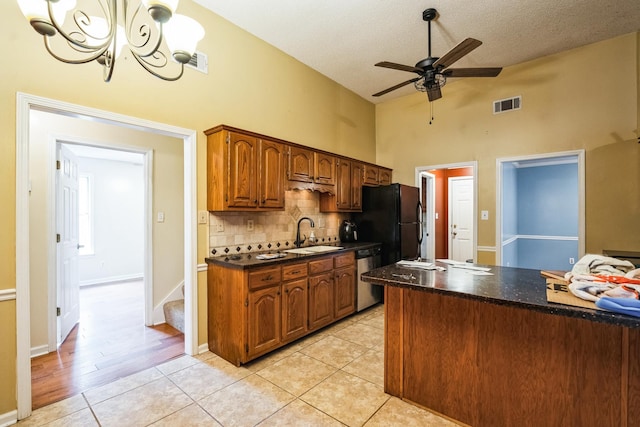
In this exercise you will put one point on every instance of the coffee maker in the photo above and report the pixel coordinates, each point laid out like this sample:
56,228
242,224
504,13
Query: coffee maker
348,231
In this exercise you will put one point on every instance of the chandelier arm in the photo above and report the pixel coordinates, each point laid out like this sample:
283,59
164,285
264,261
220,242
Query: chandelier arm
82,20
144,31
151,68
93,57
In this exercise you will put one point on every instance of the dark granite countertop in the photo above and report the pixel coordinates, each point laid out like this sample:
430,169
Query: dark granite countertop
516,287
249,260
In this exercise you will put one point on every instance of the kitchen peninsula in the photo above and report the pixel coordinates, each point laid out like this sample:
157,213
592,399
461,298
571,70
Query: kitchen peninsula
489,350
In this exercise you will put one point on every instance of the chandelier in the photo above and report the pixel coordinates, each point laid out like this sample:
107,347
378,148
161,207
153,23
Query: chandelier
100,31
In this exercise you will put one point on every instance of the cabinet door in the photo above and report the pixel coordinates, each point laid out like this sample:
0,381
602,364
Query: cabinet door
300,166
242,191
325,169
371,175
343,186
384,176
271,180
320,300
264,320
356,185
294,309
345,291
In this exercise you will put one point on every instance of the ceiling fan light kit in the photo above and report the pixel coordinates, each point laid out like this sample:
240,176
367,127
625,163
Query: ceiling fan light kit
143,28
433,71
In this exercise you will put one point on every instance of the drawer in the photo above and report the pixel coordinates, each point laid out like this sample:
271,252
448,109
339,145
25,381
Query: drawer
294,271
265,277
320,265
344,259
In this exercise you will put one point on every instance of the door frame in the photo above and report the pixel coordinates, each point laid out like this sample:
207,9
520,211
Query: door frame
24,104
428,226
147,172
420,170
548,159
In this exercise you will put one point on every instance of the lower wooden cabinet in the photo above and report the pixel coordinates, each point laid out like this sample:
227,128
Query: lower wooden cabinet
254,311
264,320
294,309
320,300
345,292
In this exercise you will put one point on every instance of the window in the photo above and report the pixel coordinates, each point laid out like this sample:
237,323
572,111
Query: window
85,214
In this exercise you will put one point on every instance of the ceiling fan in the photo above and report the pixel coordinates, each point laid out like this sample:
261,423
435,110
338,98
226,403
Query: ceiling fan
433,71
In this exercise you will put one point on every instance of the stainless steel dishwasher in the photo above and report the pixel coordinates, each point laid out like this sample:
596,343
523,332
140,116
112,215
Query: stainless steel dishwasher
367,294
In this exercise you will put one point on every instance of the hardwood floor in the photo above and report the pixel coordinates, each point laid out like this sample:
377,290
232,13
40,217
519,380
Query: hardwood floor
110,342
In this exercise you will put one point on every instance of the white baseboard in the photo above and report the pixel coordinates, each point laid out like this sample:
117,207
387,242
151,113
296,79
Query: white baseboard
112,279
39,350
158,310
9,418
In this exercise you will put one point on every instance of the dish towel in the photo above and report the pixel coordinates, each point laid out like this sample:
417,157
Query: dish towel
628,306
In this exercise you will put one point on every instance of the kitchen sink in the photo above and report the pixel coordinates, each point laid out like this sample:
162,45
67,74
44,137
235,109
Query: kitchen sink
313,249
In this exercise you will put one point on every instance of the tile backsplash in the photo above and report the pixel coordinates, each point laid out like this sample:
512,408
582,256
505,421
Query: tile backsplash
229,231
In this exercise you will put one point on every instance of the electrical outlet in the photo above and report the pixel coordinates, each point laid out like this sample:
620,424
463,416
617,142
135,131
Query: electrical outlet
484,215
220,227
160,216
572,261
203,217
249,225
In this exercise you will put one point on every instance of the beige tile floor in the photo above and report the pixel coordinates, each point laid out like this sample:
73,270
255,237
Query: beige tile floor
331,378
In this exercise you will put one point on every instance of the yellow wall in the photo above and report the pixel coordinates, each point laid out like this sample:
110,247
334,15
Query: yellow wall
570,101
250,85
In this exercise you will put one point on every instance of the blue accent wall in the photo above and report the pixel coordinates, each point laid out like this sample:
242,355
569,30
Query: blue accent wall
548,200
538,203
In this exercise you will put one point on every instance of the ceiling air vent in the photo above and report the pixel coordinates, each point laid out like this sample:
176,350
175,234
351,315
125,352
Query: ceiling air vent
200,62
508,104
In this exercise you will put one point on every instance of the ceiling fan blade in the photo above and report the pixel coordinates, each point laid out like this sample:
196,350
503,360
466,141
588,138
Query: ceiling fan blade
472,72
434,92
398,86
463,48
400,67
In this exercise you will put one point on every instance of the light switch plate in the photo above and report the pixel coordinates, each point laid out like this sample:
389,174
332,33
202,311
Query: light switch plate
484,215
160,216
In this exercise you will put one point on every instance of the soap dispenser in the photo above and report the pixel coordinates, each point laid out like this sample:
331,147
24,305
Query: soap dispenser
312,238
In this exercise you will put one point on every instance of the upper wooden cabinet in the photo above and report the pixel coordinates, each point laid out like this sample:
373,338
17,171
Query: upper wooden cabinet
325,168
271,182
347,196
301,165
247,171
311,167
376,175
244,172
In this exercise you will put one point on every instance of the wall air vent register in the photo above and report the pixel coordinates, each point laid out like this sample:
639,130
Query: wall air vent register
504,105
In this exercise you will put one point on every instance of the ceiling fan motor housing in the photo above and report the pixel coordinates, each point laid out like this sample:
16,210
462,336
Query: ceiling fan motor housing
429,14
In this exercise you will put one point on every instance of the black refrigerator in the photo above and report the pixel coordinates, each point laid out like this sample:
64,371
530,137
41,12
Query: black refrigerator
391,215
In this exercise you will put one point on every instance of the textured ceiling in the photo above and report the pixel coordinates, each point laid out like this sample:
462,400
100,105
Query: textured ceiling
343,39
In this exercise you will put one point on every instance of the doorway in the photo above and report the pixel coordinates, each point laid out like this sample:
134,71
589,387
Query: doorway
540,210
27,103
109,221
438,230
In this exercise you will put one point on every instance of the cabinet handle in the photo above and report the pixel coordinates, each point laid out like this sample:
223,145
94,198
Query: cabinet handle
286,291
263,201
295,272
269,277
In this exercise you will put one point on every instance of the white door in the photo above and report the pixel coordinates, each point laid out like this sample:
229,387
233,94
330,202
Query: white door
67,229
461,218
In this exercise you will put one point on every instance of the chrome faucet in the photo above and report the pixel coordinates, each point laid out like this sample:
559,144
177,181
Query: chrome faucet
299,242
